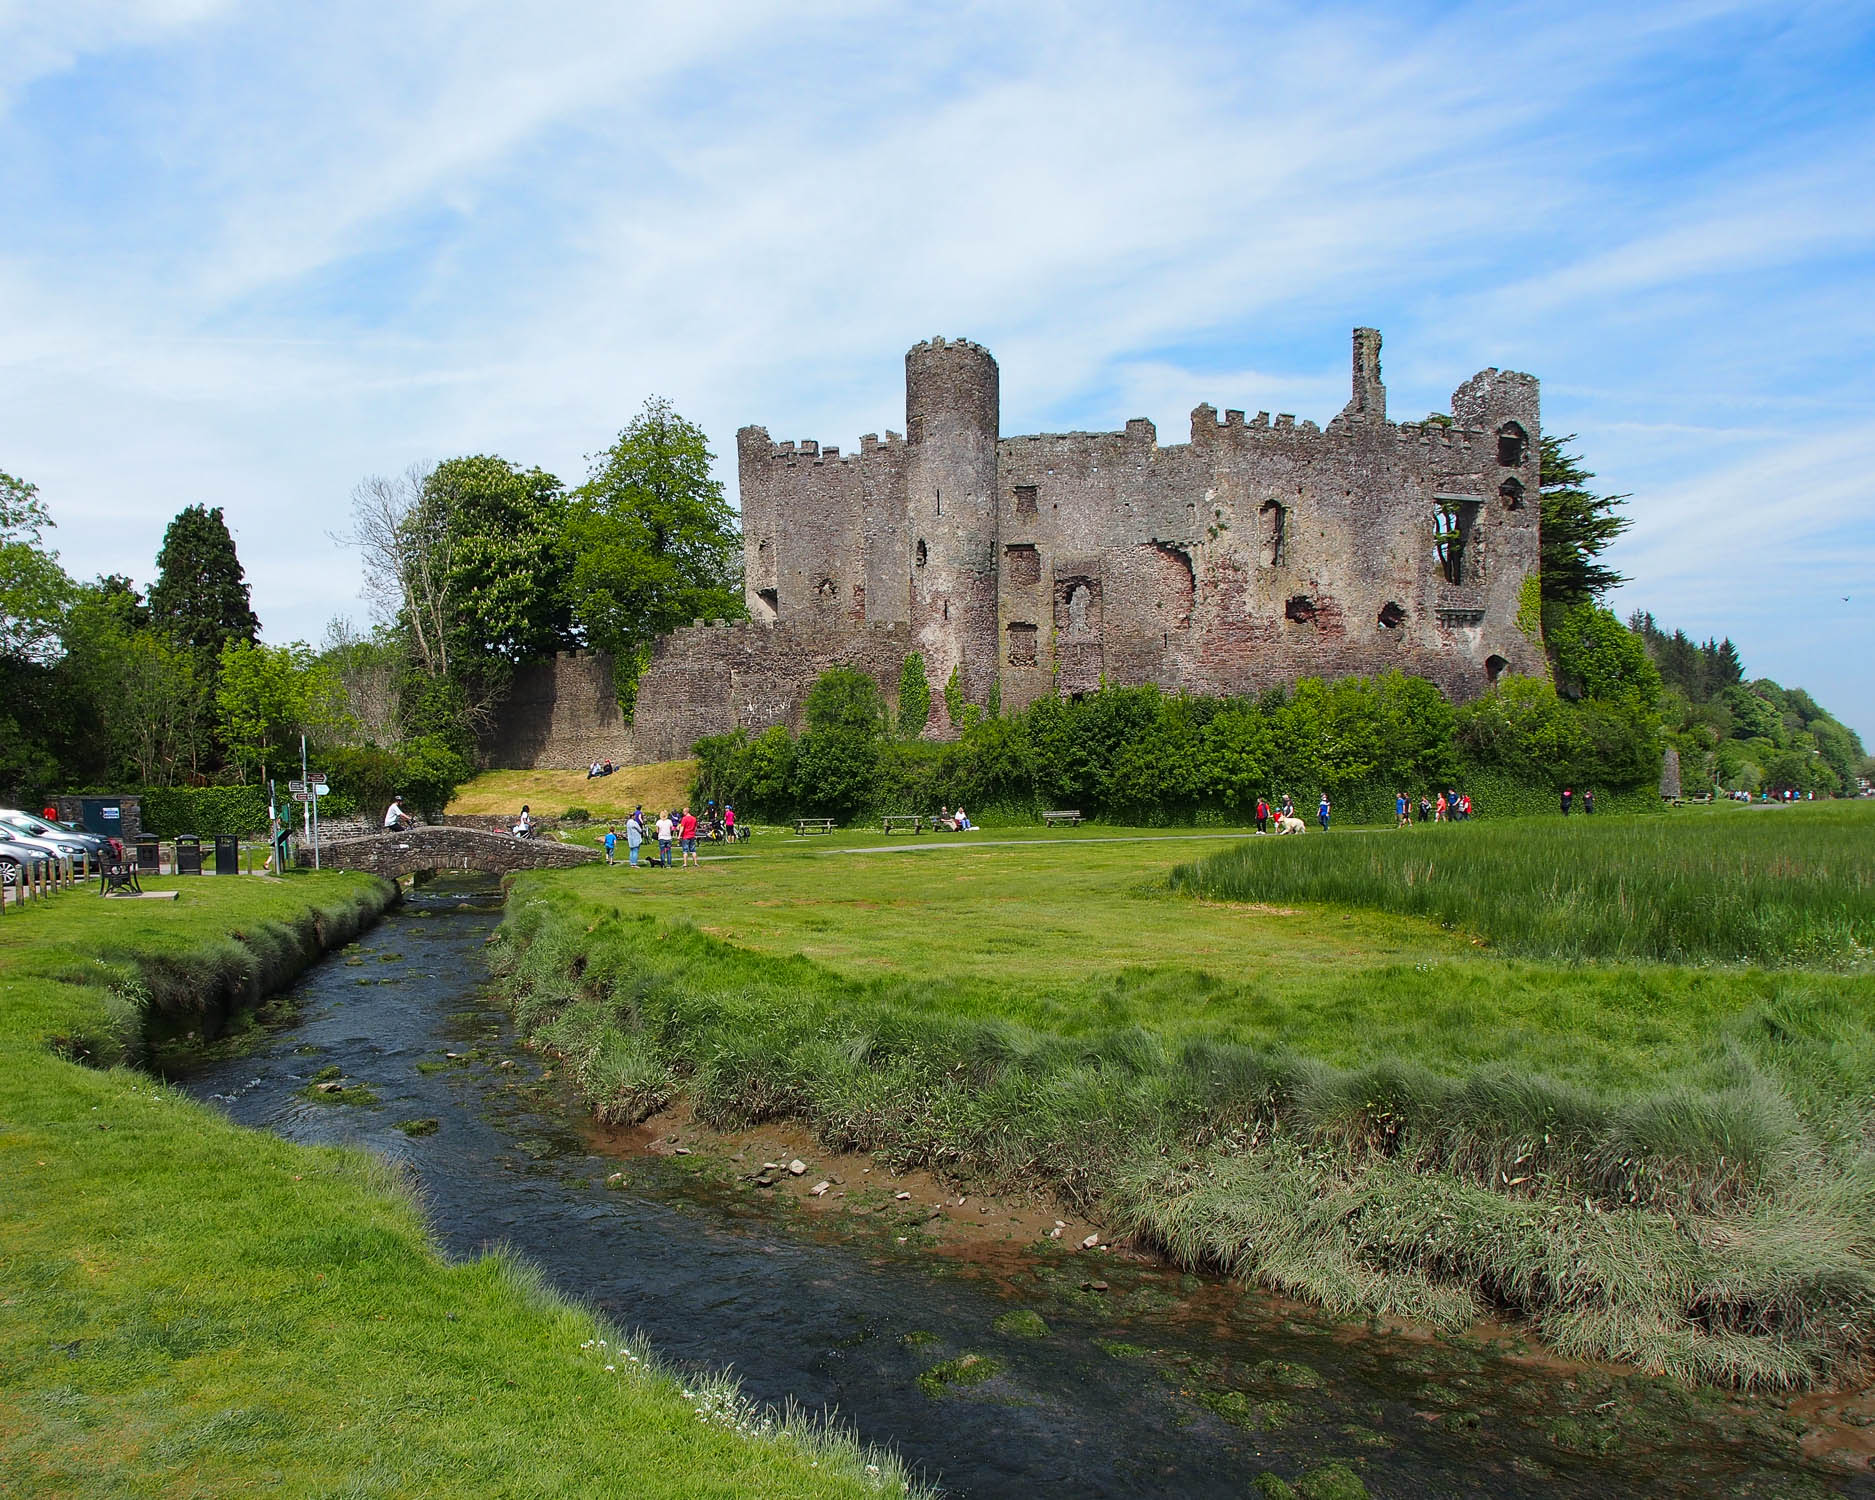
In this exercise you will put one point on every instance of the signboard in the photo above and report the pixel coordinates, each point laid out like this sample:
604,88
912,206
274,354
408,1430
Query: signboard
303,796
304,791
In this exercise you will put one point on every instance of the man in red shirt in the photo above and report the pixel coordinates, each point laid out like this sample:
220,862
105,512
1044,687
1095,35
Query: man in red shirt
687,835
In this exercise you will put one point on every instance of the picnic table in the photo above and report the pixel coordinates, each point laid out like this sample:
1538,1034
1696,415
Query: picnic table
1070,817
896,821
806,826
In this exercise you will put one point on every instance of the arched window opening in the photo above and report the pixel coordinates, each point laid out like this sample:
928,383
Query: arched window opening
1494,667
1273,534
827,589
1391,616
1511,493
1513,445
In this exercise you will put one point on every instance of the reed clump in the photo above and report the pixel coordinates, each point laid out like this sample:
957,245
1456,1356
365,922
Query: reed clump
1773,886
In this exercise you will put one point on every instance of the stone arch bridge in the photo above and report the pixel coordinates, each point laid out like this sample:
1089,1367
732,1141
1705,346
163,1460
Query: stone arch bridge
430,848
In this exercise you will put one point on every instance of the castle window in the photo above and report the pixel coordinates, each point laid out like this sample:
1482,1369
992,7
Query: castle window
1300,609
1511,493
827,589
1025,500
1273,534
1391,616
1024,564
767,606
1453,522
1513,445
1022,644
1494,667
920,552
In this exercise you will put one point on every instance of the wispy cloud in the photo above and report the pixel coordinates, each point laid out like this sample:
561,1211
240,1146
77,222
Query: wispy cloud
259,253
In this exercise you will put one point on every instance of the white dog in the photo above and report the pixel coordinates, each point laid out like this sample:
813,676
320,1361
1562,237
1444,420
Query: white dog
1291,825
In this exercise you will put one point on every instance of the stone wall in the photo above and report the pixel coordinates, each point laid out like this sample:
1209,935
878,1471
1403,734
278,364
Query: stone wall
561,714
710,679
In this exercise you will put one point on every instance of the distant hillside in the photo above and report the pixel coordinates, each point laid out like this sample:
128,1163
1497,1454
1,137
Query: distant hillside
1750,736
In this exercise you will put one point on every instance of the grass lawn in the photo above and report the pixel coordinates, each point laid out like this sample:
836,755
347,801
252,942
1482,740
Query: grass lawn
550,793
1052,1008
187,1307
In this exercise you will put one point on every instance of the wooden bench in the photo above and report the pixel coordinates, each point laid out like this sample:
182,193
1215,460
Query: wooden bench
1050,819
894,822
805,826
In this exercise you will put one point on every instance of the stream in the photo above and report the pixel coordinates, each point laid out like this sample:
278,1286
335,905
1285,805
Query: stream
1159,1384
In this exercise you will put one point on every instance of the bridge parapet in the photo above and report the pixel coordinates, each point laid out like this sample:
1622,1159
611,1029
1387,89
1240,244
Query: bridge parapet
431,848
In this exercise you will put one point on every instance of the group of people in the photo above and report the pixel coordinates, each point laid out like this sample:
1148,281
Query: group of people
953,822
1448,806
1283,814
668,828
1587,799
600,768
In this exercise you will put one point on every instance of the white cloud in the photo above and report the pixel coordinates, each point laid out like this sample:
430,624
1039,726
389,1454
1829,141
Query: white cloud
304,246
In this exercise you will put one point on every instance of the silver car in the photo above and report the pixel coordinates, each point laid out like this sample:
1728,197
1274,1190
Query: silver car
17,850
61,839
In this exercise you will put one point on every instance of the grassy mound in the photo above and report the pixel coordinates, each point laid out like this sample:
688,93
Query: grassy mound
1784,886
550,793
189,1307
1653,1165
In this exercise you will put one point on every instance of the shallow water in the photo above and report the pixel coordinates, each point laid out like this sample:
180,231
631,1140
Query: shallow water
1163,1385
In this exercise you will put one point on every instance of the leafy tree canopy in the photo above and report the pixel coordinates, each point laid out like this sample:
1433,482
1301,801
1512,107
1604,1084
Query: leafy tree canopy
505,559
33,587
653,542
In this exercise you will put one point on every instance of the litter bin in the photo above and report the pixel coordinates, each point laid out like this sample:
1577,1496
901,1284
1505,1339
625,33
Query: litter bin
188,854
227,854
150,856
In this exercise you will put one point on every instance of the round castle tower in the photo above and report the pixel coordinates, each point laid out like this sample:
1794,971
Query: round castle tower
953,412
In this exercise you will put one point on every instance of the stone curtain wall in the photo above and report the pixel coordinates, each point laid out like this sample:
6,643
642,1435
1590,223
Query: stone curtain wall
710,679
561,714
431,848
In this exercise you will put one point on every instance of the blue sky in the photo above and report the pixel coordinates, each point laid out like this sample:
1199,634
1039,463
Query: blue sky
253,253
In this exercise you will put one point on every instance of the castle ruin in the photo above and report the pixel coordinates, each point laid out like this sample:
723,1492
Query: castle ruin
1257,553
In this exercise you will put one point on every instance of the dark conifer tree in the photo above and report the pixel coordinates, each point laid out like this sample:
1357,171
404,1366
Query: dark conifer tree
200,597
1578,526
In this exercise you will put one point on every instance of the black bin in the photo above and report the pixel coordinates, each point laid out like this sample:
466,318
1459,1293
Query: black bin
188,854
227,854
150,856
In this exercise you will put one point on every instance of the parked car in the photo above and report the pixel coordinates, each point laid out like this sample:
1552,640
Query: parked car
17,850
62,839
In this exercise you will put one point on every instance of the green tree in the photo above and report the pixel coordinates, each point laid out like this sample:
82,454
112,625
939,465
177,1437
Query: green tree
837,760
200,597
505,559
33,587
267,696
1598,657
1578,526
914,697
653,542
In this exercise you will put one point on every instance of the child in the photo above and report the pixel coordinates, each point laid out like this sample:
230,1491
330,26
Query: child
611,843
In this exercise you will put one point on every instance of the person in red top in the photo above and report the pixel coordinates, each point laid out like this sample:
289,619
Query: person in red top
687,837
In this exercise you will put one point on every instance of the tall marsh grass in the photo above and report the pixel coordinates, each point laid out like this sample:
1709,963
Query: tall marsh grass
1772,886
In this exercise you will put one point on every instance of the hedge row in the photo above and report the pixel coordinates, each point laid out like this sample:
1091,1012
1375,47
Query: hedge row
208,810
